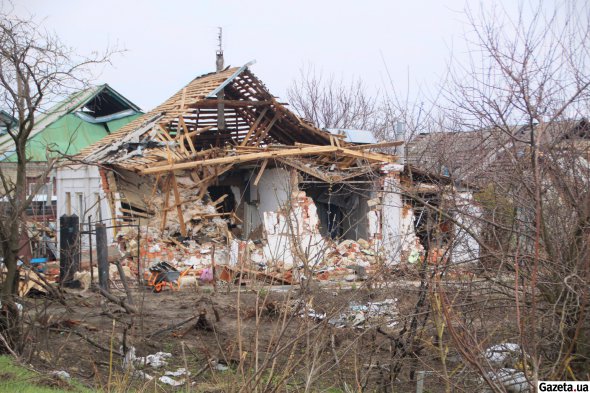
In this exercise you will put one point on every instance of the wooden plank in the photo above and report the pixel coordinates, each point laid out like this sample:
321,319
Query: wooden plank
260,172
266,130
178,207
376,145
183,98
212,103
166,201
254,127
164,132
197,132
219,200
305,169
303,151
379,157
135,213
189,140
181,144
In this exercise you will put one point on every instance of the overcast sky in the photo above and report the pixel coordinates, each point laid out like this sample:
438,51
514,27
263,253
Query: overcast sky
170,42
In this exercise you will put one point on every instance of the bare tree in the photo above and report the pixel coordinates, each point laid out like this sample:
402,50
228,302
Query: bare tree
36,68
333,103
527,86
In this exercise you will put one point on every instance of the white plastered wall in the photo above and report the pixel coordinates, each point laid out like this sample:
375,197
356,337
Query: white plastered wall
391,226
272,192
465,248
87,198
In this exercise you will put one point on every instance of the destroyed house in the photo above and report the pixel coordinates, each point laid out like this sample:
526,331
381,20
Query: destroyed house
223,158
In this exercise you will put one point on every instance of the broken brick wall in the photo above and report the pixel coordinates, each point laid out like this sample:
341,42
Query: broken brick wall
391,224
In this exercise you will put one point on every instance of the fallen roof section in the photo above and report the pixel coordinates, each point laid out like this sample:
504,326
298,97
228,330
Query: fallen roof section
185,131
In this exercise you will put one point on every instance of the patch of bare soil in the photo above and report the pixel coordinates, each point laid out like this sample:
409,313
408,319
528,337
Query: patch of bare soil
258,336
5,376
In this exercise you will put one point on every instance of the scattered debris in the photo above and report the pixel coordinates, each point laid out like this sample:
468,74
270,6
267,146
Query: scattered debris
503,355
218,366
156,360
514,381
169,381
178,373
382,313
61,374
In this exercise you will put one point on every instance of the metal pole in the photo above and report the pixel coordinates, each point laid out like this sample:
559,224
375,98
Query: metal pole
102,256
90,250
419,381
139,266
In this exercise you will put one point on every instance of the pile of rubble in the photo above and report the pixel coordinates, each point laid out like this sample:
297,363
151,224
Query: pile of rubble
196,216
287,250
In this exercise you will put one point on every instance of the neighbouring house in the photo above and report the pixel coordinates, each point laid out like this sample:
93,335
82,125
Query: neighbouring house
475,175
6,121
223,164
62,132
441,179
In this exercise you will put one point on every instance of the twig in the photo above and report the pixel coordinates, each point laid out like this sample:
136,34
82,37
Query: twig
89,340
129,308
8,346
172,327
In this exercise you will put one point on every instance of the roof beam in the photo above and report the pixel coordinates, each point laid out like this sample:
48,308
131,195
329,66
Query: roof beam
212,103
230,79
288,152
244,158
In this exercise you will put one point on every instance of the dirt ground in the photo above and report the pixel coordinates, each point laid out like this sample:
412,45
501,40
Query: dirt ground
279,338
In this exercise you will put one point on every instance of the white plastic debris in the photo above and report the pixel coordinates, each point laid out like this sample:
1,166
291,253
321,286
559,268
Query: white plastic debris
221,367
514,381
178,373
129,358
61,374
142,375
156,360
169,381
503,355
154,248
387,168
382,313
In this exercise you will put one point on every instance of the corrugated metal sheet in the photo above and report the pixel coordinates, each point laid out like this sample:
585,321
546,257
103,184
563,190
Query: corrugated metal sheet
361,137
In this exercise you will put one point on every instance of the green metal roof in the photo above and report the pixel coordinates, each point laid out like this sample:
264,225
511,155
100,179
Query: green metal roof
59,131
67,136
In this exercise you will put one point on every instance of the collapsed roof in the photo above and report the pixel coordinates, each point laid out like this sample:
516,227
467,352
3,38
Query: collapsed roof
219,122
224,119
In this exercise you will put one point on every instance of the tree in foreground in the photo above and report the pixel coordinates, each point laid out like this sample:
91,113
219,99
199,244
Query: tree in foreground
527,83
36,69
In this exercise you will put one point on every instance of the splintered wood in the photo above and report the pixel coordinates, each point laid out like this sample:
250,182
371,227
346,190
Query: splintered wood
183,149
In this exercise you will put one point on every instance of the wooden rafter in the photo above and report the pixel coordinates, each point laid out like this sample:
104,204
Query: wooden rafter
178,204
263,132
254,127
288,152
186,135
212,103
166,201
260,172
